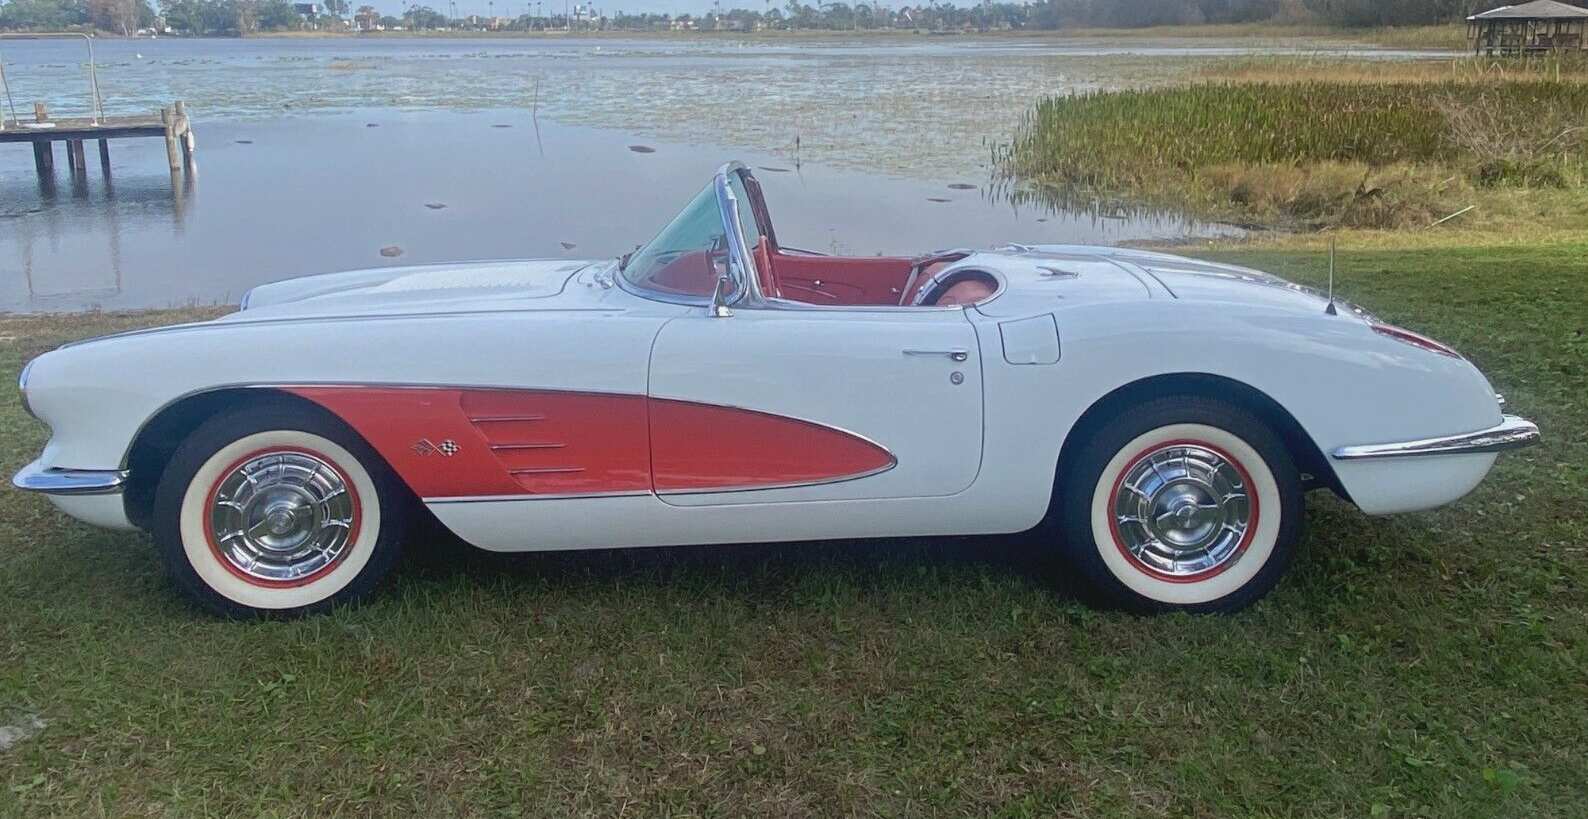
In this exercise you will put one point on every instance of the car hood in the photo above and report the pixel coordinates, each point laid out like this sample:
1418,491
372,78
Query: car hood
465,287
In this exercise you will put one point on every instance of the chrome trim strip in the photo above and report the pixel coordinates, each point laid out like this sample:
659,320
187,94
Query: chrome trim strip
723,490
55,481
527,497
1512,432
635,494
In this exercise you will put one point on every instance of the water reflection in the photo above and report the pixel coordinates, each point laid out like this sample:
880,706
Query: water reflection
296,196
1073,204
68,238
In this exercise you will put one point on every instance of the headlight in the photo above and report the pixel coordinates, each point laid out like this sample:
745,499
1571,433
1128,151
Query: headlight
22,384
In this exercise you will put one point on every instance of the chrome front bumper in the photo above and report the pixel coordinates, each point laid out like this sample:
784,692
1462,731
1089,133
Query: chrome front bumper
52,481
1512,432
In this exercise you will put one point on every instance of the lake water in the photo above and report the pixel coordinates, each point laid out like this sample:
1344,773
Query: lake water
314,154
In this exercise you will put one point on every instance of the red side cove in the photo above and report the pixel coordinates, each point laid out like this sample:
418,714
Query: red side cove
703,446
467,443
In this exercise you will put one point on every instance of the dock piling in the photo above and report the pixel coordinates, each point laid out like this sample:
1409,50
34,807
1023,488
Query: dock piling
43,159
75,158
168,119
185,134
44,150
104,156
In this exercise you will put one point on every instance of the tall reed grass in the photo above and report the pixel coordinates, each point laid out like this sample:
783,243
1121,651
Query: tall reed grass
1212,145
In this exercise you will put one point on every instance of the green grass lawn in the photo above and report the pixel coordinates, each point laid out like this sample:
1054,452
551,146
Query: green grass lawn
1425,665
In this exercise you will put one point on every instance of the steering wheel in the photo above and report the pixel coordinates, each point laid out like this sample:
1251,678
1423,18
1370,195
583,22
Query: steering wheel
978,288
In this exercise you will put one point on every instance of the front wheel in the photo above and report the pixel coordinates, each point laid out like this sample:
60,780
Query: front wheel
1181,504
276,512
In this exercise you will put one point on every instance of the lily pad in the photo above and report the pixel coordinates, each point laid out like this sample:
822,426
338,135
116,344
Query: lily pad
391,251
435,205
962,186
567,245
642,149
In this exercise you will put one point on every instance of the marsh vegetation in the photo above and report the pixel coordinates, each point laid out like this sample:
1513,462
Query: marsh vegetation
1294,143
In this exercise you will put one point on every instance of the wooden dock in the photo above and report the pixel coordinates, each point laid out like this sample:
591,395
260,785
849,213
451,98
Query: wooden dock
171,123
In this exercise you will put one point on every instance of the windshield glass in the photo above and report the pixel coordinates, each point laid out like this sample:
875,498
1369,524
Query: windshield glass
691,253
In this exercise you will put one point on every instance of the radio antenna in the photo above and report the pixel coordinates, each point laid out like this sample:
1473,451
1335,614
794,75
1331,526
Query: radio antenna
1330,308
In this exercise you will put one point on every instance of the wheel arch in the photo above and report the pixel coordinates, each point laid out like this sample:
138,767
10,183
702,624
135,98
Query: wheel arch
155,442
1310,461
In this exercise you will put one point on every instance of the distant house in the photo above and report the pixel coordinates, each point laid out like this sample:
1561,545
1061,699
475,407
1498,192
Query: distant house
1539,26
309,11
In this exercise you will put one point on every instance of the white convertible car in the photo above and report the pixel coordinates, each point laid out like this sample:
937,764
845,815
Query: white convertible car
1162,416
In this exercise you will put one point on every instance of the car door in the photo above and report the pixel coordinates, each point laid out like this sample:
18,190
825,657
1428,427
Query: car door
776,404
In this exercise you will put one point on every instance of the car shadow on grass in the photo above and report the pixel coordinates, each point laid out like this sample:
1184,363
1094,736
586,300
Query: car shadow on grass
770,570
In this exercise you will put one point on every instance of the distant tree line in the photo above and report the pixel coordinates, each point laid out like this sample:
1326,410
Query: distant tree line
1061,14
114,16
234,17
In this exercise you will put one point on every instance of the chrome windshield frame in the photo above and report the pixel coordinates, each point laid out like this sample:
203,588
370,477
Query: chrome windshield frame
741,262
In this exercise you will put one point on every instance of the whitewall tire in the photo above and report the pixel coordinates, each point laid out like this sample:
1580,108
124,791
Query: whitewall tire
1181,504
276,512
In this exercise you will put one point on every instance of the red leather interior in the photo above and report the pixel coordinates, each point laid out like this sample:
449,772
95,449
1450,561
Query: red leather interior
690,274
833,279
763,268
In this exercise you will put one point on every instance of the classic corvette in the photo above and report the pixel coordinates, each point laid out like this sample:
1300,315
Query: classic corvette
1155,419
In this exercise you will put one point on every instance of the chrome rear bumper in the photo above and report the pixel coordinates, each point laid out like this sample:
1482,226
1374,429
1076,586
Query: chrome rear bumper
53,481
1512,432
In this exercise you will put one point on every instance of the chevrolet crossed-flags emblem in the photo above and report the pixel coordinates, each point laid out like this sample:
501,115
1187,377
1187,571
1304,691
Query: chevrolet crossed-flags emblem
447,448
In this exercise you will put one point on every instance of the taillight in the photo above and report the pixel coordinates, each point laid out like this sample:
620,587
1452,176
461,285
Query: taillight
1406,336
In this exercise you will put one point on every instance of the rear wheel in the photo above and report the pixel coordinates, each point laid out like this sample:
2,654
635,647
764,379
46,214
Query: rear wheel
277,511
1188,504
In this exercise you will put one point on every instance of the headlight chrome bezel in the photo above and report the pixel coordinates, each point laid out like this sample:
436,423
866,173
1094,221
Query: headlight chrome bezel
22,386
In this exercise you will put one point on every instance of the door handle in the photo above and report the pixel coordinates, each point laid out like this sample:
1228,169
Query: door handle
955,354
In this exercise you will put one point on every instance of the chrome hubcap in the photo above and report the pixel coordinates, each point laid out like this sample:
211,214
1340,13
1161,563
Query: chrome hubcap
282,516
1183,510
